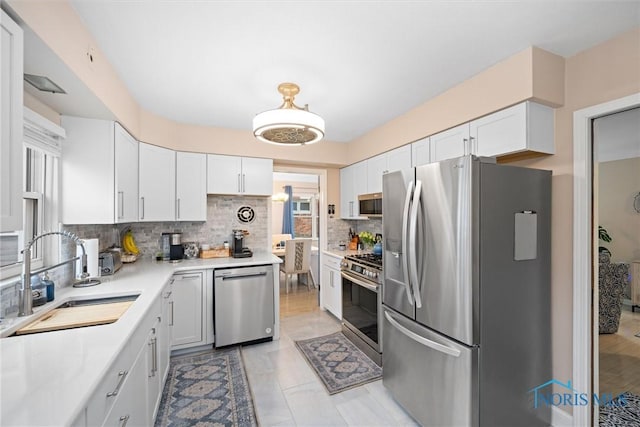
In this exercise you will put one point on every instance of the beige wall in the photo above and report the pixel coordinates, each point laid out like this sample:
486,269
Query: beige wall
619,183
603,73
530,74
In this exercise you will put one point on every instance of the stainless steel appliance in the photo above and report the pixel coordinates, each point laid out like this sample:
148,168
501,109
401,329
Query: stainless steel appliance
238,249
466,293
176,250
370,205
362,303
109,262
243,304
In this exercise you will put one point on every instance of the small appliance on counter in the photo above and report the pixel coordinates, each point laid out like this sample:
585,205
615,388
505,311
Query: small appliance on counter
165,246
110,261
239,251
176,250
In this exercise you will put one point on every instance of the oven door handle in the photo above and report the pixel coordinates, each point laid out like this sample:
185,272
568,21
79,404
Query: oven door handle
359,282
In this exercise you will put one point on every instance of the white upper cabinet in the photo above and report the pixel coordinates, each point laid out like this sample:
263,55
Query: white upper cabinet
396,159
11,124
126,167
191,186
449,144
99,172
376,167
239,175
353,182
157,183
420,154
524,127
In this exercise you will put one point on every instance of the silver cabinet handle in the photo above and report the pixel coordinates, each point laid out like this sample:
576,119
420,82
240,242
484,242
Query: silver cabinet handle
142,214
331,279
473,146
122,375
189,276
168,294
239,190
244,187
178,208
422,340
350,208
121,203
154,342
171,323
465,146
123,420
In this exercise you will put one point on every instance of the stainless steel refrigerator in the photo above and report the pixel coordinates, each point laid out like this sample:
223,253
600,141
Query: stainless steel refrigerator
466,292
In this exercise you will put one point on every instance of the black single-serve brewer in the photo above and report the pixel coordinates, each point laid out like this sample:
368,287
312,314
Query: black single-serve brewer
176,250
238,249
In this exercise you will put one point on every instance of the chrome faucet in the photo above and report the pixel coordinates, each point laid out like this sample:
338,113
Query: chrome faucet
25,293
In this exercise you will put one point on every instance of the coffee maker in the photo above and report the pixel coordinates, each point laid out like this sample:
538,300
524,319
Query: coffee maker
238,249
176,250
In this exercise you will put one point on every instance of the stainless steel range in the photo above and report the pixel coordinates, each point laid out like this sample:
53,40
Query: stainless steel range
362,303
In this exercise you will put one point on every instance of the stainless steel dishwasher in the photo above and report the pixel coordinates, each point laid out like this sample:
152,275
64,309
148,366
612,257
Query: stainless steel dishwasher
243,302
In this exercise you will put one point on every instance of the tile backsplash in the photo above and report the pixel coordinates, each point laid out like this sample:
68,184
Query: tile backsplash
338,229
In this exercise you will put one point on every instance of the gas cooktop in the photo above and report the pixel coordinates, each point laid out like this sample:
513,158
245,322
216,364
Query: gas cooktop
367,259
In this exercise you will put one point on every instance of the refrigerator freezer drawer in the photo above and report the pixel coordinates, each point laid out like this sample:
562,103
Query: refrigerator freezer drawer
432,377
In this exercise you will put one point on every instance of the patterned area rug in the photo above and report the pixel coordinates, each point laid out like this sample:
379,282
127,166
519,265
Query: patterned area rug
623,411
339,364
207,389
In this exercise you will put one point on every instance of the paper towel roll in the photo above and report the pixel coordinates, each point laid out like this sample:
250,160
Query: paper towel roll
92,246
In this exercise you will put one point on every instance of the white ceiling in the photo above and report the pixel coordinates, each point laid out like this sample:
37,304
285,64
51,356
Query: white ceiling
359,63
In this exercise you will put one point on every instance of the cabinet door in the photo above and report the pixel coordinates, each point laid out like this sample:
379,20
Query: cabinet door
450,143
154,381
420,152
11,125
524,127
188,302
126,172
346,192
165,331
157,183
191,187
257,176
359,184
398,159
376,166
224,174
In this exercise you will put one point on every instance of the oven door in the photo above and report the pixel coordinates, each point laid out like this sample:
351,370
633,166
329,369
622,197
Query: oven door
361,309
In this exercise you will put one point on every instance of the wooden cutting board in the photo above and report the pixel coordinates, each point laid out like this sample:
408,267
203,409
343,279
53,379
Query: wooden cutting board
76,317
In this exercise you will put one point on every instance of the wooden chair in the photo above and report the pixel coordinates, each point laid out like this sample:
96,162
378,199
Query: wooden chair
297,260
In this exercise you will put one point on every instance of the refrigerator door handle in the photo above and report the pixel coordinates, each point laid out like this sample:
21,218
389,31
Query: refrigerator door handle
414,282
405,242
422,340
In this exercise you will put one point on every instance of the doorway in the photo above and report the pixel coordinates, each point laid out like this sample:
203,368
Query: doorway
296,211
585,254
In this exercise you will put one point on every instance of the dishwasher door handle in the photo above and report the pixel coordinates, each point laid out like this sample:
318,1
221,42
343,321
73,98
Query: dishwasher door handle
243,276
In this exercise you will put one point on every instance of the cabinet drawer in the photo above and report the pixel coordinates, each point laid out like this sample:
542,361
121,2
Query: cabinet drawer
331,261
103,397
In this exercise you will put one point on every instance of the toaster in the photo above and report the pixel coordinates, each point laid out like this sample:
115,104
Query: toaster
109,262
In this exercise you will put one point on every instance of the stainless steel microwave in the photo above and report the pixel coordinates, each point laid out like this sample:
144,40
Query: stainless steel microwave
370,205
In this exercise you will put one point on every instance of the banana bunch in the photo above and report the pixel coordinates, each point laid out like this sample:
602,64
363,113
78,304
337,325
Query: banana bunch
129,244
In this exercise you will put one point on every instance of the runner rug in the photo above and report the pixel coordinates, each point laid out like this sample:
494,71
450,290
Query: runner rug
623,411
339,364
207,389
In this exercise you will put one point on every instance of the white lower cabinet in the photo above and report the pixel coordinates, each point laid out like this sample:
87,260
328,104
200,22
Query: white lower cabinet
130,392
191,313
331,284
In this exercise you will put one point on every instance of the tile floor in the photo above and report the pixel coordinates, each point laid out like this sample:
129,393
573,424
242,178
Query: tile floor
287,392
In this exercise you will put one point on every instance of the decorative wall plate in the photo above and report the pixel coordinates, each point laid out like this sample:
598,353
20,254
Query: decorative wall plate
246,214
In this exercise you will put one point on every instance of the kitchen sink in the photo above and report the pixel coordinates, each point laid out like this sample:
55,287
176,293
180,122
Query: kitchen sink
79,313
97,301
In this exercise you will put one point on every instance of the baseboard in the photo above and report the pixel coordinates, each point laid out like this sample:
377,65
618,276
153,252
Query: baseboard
560,418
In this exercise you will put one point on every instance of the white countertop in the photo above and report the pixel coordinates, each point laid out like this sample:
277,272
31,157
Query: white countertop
47,378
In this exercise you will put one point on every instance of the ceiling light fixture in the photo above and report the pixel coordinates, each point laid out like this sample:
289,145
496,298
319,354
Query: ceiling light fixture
288,124
43,84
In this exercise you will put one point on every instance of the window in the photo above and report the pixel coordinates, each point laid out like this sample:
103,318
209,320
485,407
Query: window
42,143
301,207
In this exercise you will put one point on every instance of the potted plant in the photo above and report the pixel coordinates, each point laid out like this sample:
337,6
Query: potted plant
605,237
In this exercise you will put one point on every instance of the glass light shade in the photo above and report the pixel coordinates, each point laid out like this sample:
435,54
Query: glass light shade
287,126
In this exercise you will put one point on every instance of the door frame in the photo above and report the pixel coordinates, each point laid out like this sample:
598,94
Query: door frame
585,263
